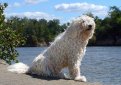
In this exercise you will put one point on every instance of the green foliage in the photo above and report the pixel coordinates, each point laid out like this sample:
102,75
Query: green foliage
37,32
9,39
109,29
89,14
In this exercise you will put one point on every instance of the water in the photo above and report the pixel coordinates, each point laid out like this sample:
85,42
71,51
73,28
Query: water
100,64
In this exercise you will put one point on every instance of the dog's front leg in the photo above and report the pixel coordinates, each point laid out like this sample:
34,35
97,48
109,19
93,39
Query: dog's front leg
74,71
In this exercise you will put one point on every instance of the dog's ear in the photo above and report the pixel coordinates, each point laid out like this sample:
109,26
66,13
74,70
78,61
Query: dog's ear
81,23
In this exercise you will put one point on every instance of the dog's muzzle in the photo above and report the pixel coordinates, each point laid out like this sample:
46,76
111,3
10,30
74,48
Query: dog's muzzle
89,27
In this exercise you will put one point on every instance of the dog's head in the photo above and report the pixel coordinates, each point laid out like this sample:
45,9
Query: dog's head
87,23
83,25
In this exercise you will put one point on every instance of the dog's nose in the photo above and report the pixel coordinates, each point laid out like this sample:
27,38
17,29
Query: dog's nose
90,26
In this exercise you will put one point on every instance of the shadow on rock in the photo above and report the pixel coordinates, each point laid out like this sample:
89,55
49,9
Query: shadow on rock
49,78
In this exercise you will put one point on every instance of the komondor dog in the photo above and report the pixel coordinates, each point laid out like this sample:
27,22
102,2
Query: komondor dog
66,51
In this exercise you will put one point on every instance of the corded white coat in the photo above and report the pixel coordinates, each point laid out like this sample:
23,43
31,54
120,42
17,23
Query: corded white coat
66,51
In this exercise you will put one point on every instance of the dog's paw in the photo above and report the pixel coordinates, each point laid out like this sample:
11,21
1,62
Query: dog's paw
81,78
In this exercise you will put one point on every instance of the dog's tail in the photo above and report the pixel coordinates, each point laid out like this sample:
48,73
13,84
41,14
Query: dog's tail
18,68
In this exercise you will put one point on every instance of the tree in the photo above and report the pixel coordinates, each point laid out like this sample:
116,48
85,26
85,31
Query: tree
89,14
114,23
9,39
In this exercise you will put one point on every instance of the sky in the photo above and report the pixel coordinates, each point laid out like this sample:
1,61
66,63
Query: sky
64,10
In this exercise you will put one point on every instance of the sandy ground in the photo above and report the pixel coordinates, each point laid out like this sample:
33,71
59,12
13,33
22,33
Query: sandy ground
8,78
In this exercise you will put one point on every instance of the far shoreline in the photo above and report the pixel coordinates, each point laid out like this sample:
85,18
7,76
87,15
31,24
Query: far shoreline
87,46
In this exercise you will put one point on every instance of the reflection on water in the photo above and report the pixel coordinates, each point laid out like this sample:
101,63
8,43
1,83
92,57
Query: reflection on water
100,64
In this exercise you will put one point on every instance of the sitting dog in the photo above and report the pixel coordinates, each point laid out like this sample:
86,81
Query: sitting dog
66,51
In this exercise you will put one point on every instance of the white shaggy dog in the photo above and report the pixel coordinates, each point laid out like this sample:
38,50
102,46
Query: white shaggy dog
67,50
